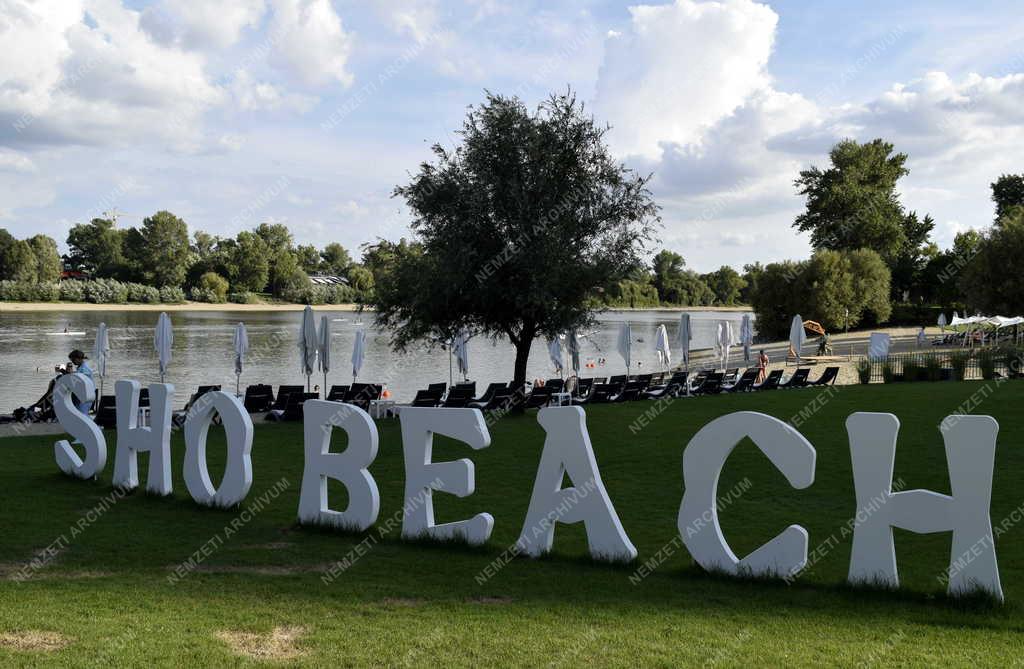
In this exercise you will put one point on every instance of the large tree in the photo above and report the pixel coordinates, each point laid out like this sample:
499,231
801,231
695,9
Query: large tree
283,263
1008,193
335,260
726,284
48,264
160,250
96,247
853,203
988,279
17,260
249,269
516,228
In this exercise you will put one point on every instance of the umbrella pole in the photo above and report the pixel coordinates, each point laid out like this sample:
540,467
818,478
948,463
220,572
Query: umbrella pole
325,385
449,366
238,382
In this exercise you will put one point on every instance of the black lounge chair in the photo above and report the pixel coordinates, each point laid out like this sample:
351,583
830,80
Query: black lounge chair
480,402
337,393
556,385
539,398
426,398
460,396
699,378
618,378
106,412
501,400
258,398
771,382
361,394
439,388
282,396
828,377
603,393
583,388
631,391
745,382
675,386
712,384
798,380
731,376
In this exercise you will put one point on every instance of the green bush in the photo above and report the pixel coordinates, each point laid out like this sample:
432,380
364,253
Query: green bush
888,375
912,370
211,287
987,364
932,368
24,291
958,360
143,294
864,370
243,297
172,295
338,294
106,291
72,291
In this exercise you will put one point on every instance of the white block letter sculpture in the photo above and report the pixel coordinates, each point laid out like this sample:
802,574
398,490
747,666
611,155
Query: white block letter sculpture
703,460
970,443
154,440
238,431
567,450
350,467
422,476
79,426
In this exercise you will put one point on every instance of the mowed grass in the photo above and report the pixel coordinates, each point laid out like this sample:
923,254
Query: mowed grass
109,595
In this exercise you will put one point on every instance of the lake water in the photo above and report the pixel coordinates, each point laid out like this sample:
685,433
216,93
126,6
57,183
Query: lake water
203,354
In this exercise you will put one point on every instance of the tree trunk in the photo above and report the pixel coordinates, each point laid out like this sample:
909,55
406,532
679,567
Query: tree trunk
519,376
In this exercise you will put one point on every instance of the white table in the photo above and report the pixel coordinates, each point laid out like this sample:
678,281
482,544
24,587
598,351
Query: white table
382,408
561,399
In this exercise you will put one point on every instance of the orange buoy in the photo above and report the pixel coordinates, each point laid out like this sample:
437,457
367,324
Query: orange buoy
386,394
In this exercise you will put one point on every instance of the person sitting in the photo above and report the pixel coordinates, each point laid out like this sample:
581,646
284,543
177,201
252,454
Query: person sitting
78,359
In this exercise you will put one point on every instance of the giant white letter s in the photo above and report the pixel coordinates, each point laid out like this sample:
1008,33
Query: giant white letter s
79,426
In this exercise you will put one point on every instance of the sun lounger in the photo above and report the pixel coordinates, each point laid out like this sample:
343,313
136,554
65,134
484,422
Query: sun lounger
482,401
337,393
631,391
603,393
426,398
730,376
106,412
258,398
282,396
675,386
538,398
501,400
361,394
828,377
771,382
461,395
744,383
712,384
798,380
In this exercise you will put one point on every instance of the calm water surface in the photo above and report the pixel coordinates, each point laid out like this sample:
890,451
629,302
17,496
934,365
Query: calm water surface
203,353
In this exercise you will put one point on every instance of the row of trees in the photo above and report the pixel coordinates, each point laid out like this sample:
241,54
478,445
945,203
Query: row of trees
667,281
161,254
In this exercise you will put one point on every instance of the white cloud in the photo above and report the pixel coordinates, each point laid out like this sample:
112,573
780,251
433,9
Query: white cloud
83,71
311,41
13,161
251,95
680,68
216,24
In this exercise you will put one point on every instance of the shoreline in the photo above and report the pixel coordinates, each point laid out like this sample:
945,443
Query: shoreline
29,307
26,307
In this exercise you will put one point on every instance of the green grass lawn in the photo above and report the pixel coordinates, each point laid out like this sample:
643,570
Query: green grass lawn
107,591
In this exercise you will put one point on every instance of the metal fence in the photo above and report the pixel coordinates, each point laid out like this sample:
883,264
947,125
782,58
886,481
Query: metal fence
946,365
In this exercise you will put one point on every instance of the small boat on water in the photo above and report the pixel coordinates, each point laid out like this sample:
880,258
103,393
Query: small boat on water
71,333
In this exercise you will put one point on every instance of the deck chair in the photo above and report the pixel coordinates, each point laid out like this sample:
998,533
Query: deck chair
539,398
712,384
461,395
744,383
293,410
675,386
501,400
631,391
106,412
337,393
828,377
439,388
618,378
282,396
426,398
730,376
361,394
604,393
798,380
556,385
771,382
258,398
480,402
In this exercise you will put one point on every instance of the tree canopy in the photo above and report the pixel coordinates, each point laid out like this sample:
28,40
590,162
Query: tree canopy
515,229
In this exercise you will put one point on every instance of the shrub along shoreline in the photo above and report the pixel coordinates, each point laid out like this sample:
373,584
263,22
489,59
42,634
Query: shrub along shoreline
111,291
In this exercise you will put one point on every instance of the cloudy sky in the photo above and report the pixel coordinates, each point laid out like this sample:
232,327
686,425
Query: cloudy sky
309,112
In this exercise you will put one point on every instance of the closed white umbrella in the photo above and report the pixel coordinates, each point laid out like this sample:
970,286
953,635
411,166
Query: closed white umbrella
555,353
358,353
100,353
662,347
241,348
942,321
324,348
626,345
746,336
684,337
163,340
574,351
308,344
724,341
797,336
460,349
